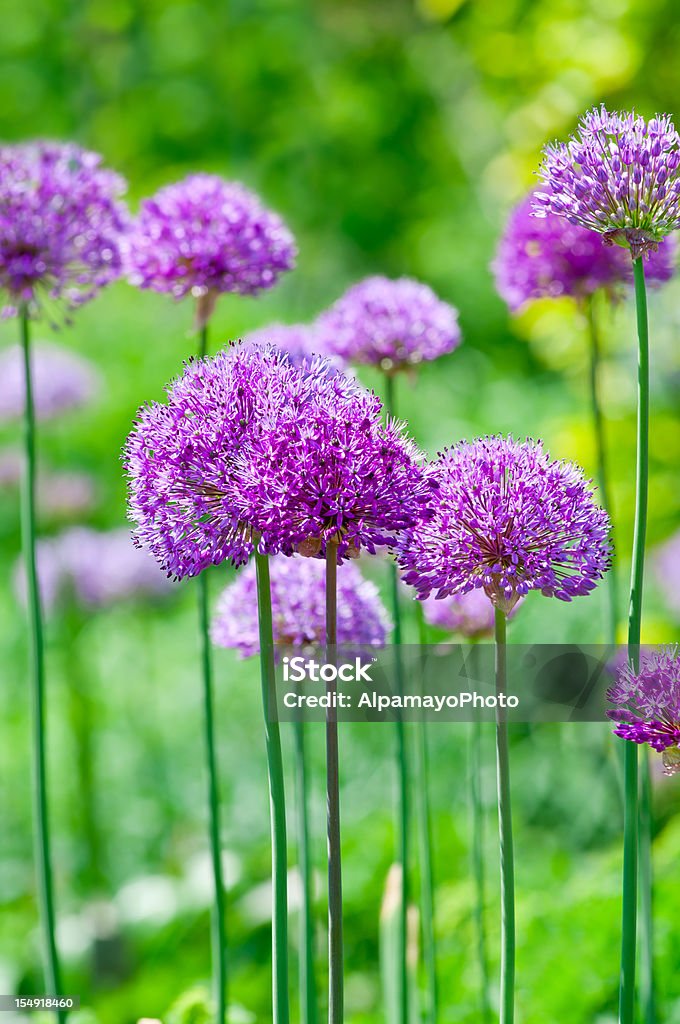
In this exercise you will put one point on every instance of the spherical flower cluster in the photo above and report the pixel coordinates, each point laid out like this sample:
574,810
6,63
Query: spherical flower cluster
204,236
619,175
299,607
61,380
549,257
390,324
507,519
94,568
300,342
649,704
667,571
470,615
61,224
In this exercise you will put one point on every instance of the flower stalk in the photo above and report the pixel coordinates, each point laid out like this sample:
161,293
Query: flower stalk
477,816
308,997
335,930
507,857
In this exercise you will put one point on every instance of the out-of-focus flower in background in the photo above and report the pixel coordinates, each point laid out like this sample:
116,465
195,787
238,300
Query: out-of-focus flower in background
62,380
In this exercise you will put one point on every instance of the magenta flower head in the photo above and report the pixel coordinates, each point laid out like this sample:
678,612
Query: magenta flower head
618,175
649,704
507,519
62,381
61,225
549,257
326,470
470,615
299,607
204,236
390,324
181,458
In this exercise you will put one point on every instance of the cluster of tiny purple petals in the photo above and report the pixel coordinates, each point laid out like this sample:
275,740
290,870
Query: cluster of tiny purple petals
326,469
507,519
95,568
667,571
550,257
390,324
206,235
62,224
618,175
470,614
649,701
61,381
300,342
299,607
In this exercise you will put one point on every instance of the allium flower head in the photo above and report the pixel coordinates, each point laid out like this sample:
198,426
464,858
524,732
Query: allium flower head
667,571
300,342
507,519
470,614
204,236
618,175
550,257
299,607
62,381
390,324
61,224
649,700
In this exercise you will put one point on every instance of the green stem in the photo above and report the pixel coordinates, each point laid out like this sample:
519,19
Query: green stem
277,796
37,677
402,766
507,995
630,825
601,456
647,986
424,827
335,936
219,940
477,813
308,998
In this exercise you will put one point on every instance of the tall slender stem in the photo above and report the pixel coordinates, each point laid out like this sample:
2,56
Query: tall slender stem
630,826
37,678
308,996
335,935
601,456
277,796
647,984
507,996
219,941
477,814
402,767
424,828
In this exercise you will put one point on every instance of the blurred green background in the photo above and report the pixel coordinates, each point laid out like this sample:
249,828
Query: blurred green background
393,138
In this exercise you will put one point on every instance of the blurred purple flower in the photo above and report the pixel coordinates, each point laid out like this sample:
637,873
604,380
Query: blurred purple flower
299,608
62,380
60,494
390,324
618,175
507,520
649,700
470,614
300,342
549,257
667,571
61,224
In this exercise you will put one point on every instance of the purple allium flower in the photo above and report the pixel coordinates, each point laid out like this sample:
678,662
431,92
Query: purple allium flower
299,607
618,175
61,224
65,494
667,571
548,257
326,470
300,342
470,614
390,324
507,519
97,568
62,380
204,236
649,702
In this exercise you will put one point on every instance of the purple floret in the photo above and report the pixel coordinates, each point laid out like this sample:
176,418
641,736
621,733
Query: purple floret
507,519
649,703
470,615
61,379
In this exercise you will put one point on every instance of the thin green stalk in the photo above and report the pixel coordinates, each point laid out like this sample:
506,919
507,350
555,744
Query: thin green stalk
37,679
647,985
602,457
277,796
630,826
402,766
219,940
477,815
308,996
424,828
336,1012
507,856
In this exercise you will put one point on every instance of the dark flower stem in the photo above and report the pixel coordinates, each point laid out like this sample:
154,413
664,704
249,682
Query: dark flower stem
335,937
477,814
37,676
424,828
277,796
308,997
402,767
219,941
507,995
